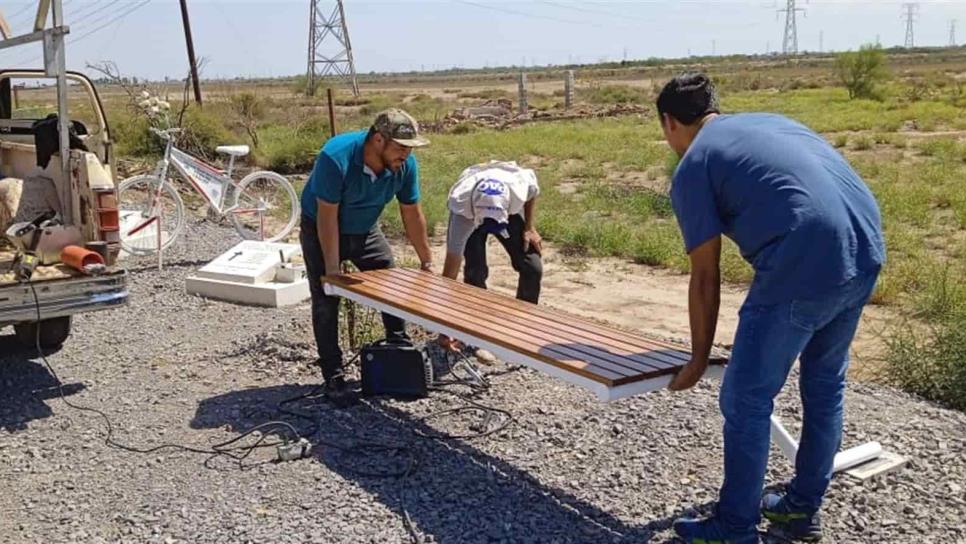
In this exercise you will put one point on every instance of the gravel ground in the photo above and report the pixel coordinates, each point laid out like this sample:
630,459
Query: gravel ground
176,368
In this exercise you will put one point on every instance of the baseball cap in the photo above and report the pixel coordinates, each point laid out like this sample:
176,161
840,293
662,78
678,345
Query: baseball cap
400,126
491,202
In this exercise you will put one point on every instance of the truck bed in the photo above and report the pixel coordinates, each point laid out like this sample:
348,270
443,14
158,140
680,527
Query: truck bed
61,291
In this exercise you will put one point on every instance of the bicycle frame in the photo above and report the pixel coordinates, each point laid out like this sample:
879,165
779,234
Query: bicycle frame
210,182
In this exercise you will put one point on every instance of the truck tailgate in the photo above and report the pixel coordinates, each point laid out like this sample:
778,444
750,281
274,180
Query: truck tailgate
62,297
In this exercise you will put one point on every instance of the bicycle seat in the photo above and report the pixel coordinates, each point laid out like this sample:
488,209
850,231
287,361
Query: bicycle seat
233,150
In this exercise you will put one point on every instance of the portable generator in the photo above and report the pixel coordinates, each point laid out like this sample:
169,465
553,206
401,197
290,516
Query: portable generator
396,369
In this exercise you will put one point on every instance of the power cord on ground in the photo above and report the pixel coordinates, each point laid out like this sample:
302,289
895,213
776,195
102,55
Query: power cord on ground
286,447
294,445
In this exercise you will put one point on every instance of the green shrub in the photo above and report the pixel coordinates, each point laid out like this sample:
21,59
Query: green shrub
376,104
484,94
615,94
841,141
463,128
931,363
863,71
930,360
131,135
290,150
862,143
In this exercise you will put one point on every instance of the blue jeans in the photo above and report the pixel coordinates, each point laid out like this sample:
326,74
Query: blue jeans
768,340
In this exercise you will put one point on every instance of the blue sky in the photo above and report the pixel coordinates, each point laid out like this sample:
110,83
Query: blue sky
269,37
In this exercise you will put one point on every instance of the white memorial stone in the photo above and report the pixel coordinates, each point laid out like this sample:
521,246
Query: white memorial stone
247,274
249,262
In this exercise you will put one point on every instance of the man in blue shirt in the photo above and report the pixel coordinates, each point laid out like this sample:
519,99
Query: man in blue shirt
355,175
811,230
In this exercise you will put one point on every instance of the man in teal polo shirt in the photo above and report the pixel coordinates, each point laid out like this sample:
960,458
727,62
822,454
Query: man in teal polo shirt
355,175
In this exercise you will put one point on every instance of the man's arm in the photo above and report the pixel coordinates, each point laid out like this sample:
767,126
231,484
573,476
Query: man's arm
327,226
530,235
704,297
414,222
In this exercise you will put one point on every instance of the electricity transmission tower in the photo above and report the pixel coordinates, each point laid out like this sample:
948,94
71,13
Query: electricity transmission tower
330,51
790,41
952,33
910,15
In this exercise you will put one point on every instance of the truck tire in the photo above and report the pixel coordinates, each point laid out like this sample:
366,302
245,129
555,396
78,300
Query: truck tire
53,332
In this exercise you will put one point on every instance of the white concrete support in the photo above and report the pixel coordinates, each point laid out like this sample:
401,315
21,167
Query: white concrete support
522,88
844,460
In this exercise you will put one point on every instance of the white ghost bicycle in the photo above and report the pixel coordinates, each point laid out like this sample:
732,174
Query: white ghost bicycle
262,206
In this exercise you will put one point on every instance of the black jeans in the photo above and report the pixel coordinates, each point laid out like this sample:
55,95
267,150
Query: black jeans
527,263
368,251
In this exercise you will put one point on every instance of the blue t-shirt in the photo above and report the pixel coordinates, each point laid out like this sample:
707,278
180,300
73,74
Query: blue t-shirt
800,215
339,177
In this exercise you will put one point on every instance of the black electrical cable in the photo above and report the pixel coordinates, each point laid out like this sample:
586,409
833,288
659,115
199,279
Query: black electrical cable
220,449
363,448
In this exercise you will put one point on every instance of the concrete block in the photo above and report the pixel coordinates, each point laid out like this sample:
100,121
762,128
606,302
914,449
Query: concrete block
250,262
270,294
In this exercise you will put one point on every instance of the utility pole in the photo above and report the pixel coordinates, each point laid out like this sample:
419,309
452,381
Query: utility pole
337,61
790,39
910,15
952,33
191,51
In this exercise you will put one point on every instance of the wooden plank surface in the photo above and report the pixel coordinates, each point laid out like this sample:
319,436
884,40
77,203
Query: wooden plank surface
603,354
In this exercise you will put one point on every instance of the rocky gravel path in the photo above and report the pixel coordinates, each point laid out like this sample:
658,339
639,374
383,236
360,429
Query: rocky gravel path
174,368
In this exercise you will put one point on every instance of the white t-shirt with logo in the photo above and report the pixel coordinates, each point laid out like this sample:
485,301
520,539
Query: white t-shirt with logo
495,189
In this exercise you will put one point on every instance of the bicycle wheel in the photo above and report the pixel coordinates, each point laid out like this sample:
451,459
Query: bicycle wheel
142,208
264,206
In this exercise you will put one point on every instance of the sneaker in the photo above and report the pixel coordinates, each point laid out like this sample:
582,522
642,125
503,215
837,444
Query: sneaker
337,392
709,531
788,522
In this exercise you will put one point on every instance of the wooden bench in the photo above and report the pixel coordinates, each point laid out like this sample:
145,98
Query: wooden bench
609,362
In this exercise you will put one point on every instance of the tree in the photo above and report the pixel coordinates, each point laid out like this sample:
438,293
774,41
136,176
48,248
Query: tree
248,109
862,71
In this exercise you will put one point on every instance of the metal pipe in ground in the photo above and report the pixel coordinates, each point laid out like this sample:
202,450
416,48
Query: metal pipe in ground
524,106
328,93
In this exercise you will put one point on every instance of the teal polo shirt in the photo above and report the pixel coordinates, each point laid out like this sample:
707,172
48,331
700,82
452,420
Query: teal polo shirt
341,177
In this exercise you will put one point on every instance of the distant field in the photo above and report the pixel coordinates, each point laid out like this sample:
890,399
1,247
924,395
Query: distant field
604,180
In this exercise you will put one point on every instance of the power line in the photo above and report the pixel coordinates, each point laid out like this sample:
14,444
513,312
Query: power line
18,19
112,21
90,14
20,12
117,18
526,14
85,9
586,10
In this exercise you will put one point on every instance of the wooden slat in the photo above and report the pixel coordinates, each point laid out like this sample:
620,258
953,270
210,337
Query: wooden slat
604,355
548,315
507,339
569,327
549,345
499,318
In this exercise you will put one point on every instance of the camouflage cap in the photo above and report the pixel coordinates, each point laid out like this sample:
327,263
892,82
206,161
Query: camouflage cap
400,126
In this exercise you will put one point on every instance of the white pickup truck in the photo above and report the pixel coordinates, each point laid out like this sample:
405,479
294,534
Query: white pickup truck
79,192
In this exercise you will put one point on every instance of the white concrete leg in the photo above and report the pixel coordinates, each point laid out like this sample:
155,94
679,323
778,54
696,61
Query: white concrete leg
843,460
